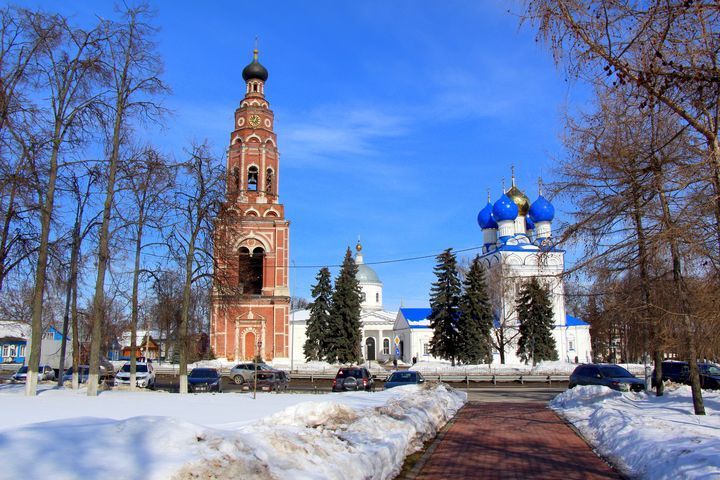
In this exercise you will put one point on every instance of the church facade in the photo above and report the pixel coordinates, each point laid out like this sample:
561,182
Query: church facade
251,299
517,245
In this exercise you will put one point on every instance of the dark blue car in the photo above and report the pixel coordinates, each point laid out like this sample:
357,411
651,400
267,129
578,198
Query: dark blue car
609,375
407,377
204,380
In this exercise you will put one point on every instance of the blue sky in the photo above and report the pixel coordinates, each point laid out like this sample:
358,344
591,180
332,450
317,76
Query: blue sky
393,118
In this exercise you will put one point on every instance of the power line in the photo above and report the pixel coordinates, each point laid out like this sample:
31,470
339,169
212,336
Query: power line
397,260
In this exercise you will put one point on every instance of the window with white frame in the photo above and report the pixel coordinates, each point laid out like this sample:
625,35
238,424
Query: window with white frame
426,349
386,346
21,351
571,343
5,350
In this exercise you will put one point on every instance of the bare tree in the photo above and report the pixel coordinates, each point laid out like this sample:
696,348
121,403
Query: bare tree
197,199
501,287
80,230
66,69
134,71
147,181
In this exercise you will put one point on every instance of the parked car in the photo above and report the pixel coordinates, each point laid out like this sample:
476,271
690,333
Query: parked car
144,375
45,372
609,375
269,381
406,377
679,372
204,380
353,378
243,372
673,371
83,371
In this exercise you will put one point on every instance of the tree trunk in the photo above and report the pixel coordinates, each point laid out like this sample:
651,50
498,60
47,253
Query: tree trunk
40,273
104,255
185,314
68,298
134,313
644,281
681,294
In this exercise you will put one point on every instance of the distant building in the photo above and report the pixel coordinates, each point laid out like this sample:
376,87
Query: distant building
15,342
147,344
376,323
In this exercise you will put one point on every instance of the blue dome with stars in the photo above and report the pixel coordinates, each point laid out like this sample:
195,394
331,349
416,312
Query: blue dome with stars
485,218
504,209
542,210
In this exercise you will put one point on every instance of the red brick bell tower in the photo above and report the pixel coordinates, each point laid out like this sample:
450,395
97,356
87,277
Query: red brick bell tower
251,299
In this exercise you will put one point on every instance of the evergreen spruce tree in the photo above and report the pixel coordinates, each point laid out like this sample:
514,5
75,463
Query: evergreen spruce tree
317,326
344,332
445,307
535,315
475,322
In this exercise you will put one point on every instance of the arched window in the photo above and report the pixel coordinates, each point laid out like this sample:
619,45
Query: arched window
250,270
269,180
377,297
252,178
386,346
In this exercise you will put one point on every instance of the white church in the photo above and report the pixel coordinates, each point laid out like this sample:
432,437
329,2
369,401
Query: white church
517,245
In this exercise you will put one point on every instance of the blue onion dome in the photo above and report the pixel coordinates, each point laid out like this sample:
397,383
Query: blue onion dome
504,209
529,224
520,199
254,70
542,210
485,216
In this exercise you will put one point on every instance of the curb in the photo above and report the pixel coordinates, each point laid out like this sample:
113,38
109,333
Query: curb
417,468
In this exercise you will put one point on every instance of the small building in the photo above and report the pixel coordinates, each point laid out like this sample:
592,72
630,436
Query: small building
413,334
15,342
147,345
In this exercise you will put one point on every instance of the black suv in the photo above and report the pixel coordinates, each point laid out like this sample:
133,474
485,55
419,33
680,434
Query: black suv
609,375
679,372
353,378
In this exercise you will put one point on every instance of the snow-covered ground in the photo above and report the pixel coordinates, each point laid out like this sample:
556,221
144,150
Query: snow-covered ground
646,436
63,434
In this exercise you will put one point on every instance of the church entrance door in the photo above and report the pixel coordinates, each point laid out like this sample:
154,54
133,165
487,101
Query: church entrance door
249,346
370,348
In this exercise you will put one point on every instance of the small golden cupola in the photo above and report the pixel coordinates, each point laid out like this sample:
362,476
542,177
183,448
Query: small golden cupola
517,196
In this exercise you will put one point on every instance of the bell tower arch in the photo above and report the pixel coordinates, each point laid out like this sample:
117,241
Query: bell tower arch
250,290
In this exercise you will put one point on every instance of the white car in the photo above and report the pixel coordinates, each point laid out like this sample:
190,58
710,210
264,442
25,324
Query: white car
144,375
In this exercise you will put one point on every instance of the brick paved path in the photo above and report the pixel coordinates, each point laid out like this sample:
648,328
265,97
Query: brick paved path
508,441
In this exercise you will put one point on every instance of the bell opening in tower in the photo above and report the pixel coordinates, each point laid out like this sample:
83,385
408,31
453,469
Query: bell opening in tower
250,270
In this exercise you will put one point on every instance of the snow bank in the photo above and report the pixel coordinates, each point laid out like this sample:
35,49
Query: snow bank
647,436
124,435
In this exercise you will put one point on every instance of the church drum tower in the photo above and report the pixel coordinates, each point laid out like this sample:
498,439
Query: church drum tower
251,300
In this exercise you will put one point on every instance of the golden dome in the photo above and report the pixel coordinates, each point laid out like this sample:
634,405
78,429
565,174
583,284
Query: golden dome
358,247
520,199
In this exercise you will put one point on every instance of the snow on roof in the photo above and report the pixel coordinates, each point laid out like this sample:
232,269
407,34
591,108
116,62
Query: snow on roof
571,321
417,317
15,330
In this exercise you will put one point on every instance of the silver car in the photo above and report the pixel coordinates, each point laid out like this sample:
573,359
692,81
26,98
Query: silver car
243,372
45,372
